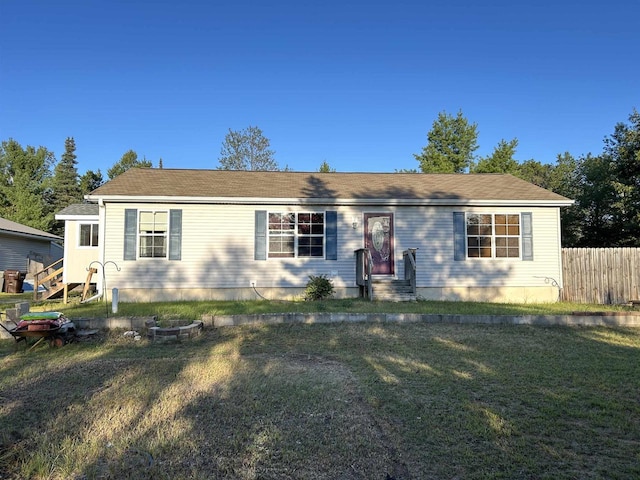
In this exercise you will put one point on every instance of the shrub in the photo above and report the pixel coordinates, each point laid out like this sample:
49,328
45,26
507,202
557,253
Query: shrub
318,288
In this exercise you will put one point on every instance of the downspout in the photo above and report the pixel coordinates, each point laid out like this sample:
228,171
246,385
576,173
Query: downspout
102,225
560,273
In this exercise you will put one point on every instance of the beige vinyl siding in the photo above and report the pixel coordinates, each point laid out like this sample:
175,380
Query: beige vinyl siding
218,250
431,230
77,259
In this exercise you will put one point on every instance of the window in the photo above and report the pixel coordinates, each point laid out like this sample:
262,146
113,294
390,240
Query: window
296,235
152,233
493,235
88,235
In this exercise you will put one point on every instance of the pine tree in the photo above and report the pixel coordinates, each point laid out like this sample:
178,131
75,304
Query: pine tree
326,168
450,147
66,186
500,161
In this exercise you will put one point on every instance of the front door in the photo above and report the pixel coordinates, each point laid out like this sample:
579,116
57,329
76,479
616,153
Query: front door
378,238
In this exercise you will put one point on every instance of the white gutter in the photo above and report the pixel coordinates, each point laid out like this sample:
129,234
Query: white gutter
80,218
328,201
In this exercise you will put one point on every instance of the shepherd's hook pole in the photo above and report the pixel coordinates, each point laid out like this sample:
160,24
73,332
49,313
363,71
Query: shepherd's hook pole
104,279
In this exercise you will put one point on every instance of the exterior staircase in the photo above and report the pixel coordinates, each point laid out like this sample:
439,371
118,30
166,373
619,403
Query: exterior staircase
393,291
56,290
51,279
386,289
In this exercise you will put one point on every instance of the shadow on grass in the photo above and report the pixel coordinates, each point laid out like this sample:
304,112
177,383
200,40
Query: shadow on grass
328,401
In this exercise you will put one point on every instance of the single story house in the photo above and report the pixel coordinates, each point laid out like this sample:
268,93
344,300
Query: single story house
172,234
20,244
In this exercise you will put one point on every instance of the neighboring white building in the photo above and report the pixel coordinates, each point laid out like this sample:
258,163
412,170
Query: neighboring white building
167,234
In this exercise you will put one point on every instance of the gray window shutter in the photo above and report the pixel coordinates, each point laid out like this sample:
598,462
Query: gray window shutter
527,236
459,237
260,242
130,226
175,234
331,235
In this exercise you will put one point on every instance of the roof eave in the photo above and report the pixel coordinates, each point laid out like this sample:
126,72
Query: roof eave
33,236
77,217
329,201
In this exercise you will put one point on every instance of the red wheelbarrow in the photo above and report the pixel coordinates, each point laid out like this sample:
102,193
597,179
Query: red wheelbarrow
43,326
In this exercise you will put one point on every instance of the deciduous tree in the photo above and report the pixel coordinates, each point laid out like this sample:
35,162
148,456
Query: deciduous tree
128,160
247,149
535,172
25,193
622,150
90,180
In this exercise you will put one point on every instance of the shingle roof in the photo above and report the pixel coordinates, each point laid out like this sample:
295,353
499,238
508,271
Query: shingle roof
233,184
79,209
9,226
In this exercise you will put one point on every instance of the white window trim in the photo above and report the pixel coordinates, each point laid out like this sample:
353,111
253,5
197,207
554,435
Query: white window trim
296,235
493,256
139,236
79,235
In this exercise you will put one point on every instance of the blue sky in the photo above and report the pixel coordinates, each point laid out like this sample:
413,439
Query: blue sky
355,83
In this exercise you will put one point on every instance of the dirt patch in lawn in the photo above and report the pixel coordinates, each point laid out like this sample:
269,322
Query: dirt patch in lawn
251,416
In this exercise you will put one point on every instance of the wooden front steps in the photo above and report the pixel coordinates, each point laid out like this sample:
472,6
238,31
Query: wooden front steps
393,291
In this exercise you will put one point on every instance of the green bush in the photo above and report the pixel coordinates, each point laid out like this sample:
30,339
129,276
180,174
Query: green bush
318,288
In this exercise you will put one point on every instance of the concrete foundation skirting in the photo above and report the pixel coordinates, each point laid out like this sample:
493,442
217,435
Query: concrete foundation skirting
604,319
126,323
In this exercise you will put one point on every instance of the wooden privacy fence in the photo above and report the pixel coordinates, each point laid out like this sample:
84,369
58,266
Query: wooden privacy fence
601,275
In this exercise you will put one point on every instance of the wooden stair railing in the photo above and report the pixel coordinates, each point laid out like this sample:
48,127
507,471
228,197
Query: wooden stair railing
410,267
47,277
364,264
51,278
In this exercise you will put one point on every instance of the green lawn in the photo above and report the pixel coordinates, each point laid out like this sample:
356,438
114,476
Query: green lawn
347,401
189,310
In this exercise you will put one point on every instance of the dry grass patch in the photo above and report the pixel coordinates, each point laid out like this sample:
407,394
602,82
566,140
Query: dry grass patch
350,401
215,416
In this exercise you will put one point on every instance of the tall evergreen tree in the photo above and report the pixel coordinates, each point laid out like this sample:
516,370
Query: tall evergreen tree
500,161
451,145
25,176
66,187
247,149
